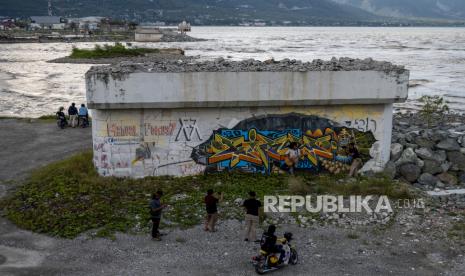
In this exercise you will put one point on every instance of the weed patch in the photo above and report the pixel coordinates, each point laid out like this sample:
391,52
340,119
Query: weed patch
68,197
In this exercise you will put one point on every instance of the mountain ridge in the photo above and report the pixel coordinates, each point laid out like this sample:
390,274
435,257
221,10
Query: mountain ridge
229,12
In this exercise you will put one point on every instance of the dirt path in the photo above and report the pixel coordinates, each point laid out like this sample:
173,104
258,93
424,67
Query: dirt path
323,250
27,145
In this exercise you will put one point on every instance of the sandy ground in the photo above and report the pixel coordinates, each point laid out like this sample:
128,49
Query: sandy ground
413,247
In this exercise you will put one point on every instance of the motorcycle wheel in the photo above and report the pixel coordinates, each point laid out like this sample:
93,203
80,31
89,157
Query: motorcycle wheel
294,257
260,267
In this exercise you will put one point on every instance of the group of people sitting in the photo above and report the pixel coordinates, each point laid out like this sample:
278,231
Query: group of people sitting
76,117
293,156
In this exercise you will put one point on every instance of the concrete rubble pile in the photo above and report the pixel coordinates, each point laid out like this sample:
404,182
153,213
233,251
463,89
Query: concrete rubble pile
252,65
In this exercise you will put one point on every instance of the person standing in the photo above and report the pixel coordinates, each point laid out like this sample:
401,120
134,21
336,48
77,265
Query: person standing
73,113
155,212
251,206
292,156
83,115
212,210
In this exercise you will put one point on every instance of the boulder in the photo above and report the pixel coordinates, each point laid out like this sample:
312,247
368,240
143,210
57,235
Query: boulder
396,151
440,155
457,159
425,153
432,167
462,178
424,142
445,166
390,170
375,150
420,163
447,178
407,156
439,135
409,138
427,179
461,140
448,144
410,145
441,185
410,171
371,168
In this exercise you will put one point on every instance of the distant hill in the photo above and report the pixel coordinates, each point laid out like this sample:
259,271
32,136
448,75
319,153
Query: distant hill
439,9
232,12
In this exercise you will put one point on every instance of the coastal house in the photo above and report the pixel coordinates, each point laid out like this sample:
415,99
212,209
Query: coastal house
7,24
148,34
110,25
48,22
184,27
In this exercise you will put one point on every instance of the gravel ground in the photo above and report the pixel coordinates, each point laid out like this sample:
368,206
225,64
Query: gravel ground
415,244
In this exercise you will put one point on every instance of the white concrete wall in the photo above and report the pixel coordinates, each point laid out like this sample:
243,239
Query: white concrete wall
240,89
146,142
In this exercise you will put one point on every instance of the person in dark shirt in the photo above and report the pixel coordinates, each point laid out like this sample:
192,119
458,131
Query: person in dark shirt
212,210
73,113
356,160
251,206
61,118
268,243
155,212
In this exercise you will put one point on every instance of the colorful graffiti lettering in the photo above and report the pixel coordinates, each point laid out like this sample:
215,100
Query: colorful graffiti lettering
264,151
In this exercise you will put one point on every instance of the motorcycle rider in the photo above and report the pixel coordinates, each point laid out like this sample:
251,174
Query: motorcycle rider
268,243
61,118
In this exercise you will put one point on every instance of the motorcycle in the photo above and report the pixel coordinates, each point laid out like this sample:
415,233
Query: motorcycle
84,121
267,262
61,121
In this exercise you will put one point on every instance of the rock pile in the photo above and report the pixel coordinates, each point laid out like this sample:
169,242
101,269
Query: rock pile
252,65
429,158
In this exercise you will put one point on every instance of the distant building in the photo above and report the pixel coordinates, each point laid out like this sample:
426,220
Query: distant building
48,22
148,34
7,24
109,25
184,27
90,23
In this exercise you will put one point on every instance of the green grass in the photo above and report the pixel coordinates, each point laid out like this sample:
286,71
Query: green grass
340,185
68,197
111,51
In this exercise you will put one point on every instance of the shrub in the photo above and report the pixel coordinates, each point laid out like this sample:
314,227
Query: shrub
433,107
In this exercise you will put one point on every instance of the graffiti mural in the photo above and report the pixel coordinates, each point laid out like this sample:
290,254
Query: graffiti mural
260,145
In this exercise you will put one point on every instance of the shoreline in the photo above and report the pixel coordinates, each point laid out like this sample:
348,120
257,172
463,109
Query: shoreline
7,38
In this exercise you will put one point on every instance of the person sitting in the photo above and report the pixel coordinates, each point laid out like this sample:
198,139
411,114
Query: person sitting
268,243
356,160
83,116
